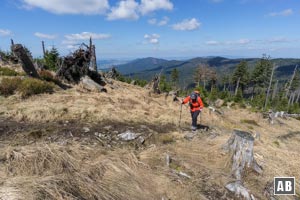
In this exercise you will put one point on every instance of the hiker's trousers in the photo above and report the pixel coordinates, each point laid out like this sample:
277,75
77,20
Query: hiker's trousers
194,117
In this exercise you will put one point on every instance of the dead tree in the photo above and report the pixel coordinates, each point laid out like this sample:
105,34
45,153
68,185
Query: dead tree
275,90
269,88
291,81
76,66
237,86
240,144
43,47
298,97
27,63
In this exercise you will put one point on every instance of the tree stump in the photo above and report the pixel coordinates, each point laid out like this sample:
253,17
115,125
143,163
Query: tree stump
240,144
27,63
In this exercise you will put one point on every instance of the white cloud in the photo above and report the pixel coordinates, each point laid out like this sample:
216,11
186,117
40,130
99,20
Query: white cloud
187,25
164,21
152,38
243,41
212,42
87,35
5,32
126,9
238,42
45,36
148,6
88,7
235,42
286,12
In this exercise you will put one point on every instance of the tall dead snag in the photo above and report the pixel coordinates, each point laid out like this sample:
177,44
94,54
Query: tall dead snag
240,144
269,88
76,66
93,63
27,64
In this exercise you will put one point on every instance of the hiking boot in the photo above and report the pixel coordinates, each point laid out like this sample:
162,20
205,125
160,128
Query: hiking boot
194,128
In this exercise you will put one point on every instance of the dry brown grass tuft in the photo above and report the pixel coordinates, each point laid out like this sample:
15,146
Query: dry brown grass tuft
54,172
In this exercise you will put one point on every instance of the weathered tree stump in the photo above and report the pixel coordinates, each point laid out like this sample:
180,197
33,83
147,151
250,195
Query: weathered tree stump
240,144
27,63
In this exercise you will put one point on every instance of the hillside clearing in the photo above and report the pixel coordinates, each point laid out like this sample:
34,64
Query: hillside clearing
66,146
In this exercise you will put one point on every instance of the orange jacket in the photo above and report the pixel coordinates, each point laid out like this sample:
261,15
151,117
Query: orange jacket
197,105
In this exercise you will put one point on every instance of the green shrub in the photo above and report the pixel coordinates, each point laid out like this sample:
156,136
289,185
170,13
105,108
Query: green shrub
213,96
224,94
239,96
4,71
31,86
8,86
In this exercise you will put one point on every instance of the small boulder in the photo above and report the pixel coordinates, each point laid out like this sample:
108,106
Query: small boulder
86,129
219,103
128,135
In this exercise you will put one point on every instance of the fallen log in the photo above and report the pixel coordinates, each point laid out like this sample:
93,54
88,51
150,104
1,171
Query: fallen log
240,144
27,64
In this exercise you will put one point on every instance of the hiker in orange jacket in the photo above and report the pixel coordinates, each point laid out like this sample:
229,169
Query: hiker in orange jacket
196,106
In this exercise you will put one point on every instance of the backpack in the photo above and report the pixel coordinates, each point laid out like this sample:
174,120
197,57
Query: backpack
194,97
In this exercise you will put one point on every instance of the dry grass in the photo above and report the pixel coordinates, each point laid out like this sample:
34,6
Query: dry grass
81,171
128,103
54,172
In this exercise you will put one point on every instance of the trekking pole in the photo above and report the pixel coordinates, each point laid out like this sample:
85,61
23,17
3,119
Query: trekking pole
180,115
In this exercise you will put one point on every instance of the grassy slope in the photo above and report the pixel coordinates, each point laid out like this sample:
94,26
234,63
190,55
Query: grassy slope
132,172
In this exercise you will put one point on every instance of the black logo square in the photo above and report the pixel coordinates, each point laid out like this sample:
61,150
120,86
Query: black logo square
284,186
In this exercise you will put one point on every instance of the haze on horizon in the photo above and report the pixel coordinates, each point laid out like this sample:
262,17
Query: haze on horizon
155,28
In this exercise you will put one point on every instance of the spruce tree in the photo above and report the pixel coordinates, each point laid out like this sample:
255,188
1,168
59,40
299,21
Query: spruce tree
51,59
241,73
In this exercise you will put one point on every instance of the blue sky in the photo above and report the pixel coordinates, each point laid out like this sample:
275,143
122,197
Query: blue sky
158,28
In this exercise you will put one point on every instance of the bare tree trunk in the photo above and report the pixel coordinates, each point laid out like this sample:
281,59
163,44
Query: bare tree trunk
93,64
291,81
269,88
237,86
94,58
275,90
298,96
11,46
44,51
253,90
27,64
293,98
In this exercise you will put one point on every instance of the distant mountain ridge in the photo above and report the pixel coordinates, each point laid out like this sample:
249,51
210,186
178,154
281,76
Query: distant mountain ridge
146,68
140,64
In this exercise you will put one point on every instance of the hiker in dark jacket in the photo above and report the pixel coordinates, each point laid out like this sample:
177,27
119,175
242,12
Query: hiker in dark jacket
196,106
